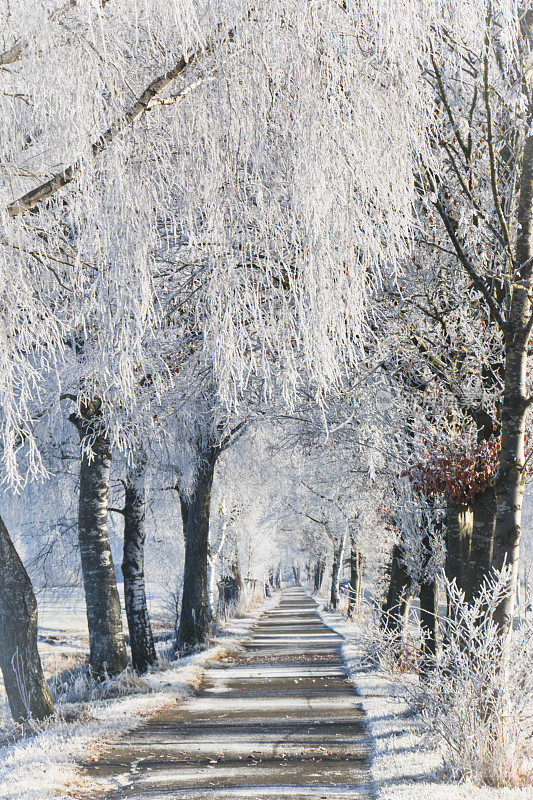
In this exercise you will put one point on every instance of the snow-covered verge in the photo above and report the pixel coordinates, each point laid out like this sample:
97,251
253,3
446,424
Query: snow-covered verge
407,762
64,638
46,765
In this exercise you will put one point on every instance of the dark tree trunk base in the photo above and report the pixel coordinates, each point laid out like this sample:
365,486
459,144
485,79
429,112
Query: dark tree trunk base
356,577
24,681
429,617
399,586
196,617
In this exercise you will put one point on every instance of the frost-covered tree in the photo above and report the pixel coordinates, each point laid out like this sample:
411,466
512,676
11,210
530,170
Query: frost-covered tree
214,190
480,190
209,176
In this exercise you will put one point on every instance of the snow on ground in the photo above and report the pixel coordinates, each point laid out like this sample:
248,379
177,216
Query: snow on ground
407,763
45,765
63,634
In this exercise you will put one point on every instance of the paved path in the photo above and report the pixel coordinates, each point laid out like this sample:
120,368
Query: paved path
281,721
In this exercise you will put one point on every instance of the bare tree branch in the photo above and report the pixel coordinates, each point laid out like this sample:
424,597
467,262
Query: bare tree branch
232,436
45,190
477,279
492,158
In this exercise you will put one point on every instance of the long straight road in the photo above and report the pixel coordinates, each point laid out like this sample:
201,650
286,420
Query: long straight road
280,721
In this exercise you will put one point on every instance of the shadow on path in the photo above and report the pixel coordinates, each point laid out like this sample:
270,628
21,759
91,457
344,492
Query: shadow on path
281,720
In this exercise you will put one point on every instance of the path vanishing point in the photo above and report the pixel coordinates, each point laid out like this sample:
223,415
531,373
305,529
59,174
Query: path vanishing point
280,720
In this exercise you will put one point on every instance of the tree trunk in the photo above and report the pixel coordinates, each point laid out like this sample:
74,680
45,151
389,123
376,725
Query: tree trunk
196,615
143,653
429,603
458,541
403,611
320,568
235,570
399,588
336,572
429,616
24,681
212,583
106,638
271,582
480,561
184,507
233,585
213,559
356,577
316,576
511,475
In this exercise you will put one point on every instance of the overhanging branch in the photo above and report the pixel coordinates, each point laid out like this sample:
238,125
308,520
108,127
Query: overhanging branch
45,190
145,102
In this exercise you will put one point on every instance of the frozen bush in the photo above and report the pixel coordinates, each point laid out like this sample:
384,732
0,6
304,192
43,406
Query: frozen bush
478,698
392,649
80,686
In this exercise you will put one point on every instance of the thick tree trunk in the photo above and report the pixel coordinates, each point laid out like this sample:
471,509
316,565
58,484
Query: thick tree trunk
511,476
484,521
24,681
336,571
142,646
356,577
458,541
196,615
184,507
106,638
399,588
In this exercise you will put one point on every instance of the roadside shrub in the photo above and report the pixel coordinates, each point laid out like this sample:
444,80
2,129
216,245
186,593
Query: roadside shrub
478,698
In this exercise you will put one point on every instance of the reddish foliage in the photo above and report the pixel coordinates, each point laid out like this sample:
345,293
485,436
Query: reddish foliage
459,471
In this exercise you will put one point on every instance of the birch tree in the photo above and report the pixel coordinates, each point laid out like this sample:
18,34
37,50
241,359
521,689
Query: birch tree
495,257
143,654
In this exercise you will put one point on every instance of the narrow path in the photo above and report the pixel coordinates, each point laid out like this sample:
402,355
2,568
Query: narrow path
280,721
